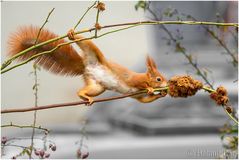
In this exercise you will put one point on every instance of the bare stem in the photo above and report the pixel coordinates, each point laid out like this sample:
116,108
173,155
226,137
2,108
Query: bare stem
99,100
210,90
230,115
24,126
35,87
49,14
199,72
234,58
97,19
89,8
8,62
78,102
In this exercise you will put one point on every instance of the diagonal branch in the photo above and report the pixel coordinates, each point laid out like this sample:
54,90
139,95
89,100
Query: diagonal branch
8,62
38,34
89,8
234,57
78,102
28,109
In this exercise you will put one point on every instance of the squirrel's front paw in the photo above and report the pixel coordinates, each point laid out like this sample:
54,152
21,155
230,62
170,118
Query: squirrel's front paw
90,101
150,91
70,34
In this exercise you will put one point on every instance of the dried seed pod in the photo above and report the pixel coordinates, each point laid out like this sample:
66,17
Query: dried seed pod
98,26
229,109
222,91
220,96
183,86
100,6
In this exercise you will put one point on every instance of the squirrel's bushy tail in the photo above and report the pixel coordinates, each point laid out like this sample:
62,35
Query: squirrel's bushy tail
64,60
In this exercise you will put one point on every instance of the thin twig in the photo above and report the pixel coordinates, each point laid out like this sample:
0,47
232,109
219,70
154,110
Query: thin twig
27,138
229,114
35,88
49,14
199,72
25,126
97,18
14,145
8,62
210,90
78,102
188,57
89,8
218,40
19,146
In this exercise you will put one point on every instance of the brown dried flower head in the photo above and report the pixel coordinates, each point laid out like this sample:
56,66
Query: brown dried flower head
98,26
183,86
220,96
100,6
222,91
229,109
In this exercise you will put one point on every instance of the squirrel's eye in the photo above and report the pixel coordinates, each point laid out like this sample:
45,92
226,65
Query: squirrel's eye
158,79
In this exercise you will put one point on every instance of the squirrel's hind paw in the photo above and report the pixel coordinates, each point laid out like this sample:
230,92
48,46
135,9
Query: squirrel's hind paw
70,34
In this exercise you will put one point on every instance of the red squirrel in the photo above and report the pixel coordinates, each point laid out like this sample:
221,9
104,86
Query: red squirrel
99,73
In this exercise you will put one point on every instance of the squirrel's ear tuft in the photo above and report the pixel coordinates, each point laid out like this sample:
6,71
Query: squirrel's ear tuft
151,65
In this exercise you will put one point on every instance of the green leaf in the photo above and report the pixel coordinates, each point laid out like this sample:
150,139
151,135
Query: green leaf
28,152
34,86
141,4
24,151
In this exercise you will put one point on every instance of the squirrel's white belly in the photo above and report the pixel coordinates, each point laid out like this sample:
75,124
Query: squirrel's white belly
108,79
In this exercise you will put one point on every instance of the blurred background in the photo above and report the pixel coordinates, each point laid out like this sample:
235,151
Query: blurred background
166,128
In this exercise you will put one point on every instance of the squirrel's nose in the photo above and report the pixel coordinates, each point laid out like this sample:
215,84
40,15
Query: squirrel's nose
164,84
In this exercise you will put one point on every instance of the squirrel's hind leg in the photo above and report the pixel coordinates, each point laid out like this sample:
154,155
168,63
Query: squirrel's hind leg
91,90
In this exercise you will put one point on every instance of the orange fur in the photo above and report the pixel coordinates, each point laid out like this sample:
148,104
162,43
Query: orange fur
64,61
99,73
